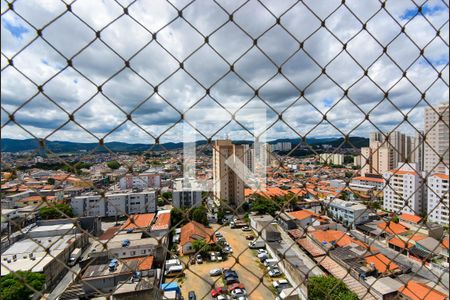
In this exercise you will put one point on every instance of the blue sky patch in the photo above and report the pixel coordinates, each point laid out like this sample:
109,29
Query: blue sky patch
427,10
327,102
443,60
16,30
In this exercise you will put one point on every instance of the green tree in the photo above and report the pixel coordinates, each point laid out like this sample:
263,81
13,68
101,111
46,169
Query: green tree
13,288
57,211
51,181
177,217
199,214
262,205
166,196
114,165
200,246
395,219
220,215
328,287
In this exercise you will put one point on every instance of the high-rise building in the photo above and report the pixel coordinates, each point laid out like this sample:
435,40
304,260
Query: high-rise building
332,158
438,198
228,186
437,138
403,192
376,159
385,151
282,146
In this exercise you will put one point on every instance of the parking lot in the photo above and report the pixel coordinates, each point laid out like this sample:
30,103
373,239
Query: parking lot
242,260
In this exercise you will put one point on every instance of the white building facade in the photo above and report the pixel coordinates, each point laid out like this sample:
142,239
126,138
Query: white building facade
438,202
347,212
141,181
114,204
403,192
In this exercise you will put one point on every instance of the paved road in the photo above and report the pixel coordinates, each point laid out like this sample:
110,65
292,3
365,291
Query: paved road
416,267
64,283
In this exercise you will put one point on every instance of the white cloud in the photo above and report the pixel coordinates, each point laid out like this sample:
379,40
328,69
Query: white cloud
179,93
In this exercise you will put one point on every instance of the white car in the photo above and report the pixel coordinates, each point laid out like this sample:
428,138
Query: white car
223,297
228,249
261,251
215,272
263,256
281,282
213,256
236,293
274,272
219,257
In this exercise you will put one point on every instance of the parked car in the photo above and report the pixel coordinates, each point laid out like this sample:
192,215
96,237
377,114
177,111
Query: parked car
229,272
227,249
231,279
212,256
236,286
249,237
263,256
223,297
191,295
281,284
260,251
215,272
246,228
199,259
219,256
217,233
238,293
192,260
270,262
218,291
255,244
274,272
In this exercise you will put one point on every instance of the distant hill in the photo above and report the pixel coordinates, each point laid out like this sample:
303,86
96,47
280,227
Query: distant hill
14,145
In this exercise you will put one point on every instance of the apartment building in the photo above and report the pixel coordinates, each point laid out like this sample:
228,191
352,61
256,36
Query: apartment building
347,212
330,158
228,186
403,192
141,181
438,203
386,150
437,138
282,146
376,159
186,198
114,204
373,182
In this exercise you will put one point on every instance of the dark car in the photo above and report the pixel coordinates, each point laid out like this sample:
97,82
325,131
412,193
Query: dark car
191,295
229,272
231,279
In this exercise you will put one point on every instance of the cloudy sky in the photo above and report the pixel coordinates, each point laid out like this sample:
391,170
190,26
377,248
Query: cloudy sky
298,46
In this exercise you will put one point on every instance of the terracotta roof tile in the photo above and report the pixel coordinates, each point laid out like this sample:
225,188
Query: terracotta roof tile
194,231
419,291
381,263
138,221
410,218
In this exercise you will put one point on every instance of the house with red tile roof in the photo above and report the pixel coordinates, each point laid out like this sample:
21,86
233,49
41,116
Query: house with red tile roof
194,231
410,218
415,290
382,264
393,228
162,224
138,221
